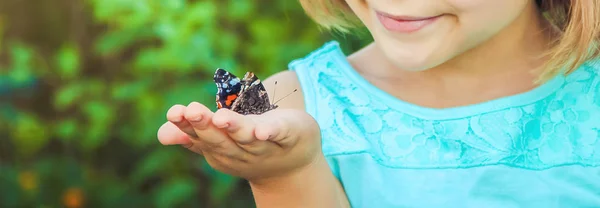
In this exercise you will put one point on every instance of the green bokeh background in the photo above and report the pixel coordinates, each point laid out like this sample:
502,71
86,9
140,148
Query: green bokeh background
85,85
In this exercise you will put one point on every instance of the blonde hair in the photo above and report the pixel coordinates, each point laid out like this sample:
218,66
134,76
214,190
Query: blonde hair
577,22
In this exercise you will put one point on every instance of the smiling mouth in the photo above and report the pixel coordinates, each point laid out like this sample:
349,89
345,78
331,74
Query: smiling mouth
404,24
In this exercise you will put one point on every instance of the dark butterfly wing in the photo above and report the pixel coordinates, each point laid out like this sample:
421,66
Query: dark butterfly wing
229,87
253,97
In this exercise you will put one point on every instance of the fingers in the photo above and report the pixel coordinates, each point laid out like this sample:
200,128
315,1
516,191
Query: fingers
224,132
211,137
194,147
175,115
169,134
199,117
273,129
286,127
242,130
239,127
192,128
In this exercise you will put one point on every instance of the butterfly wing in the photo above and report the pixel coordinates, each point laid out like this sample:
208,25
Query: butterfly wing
253,97
229,87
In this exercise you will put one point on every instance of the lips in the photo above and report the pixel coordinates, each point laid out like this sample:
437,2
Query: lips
404,24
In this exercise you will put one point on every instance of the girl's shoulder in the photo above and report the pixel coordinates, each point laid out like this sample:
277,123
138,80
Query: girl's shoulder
585,79
289,92
592,66
297,79
294,81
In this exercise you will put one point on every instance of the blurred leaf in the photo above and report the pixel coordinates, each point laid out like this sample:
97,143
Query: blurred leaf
21,56
262,30
100,116
66,129
130,90
202,91
203,11
165,28
67,61
108,9
151,165
97,87
29,134
141,15
238,10
67,95
173,6
113,193
115,41
174,192
222,185
7,113
149,59
148,122
9,187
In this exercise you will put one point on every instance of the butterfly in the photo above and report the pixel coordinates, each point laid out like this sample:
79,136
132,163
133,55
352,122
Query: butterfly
244,96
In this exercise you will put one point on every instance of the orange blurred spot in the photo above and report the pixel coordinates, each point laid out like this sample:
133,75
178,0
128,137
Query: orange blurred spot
28,180
73,198
230,99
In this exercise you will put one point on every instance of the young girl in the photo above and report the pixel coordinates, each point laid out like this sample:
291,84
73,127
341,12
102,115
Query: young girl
456,103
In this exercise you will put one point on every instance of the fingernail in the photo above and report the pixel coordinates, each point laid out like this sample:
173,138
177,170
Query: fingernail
196,119
226,125
269,137
187,146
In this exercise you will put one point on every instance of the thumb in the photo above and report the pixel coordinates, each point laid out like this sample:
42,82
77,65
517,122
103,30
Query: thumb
285,126
170,134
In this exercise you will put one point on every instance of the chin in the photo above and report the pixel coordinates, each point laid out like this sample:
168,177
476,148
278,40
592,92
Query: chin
412,55
412,60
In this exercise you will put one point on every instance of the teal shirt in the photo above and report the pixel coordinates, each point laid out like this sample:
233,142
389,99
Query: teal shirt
540,148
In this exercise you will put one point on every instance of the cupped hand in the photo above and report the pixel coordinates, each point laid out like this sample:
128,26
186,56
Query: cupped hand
253,147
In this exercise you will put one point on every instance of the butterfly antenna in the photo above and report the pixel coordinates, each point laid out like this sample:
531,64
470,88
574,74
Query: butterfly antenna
274,89
285,96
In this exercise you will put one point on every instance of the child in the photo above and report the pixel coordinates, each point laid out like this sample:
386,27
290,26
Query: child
456,103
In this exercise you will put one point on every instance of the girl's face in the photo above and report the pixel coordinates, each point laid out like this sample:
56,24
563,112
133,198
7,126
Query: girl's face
421,34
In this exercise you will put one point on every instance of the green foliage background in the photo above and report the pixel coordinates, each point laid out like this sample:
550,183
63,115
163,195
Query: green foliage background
85,84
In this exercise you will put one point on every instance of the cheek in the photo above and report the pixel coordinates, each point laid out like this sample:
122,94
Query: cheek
479,20
486,14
